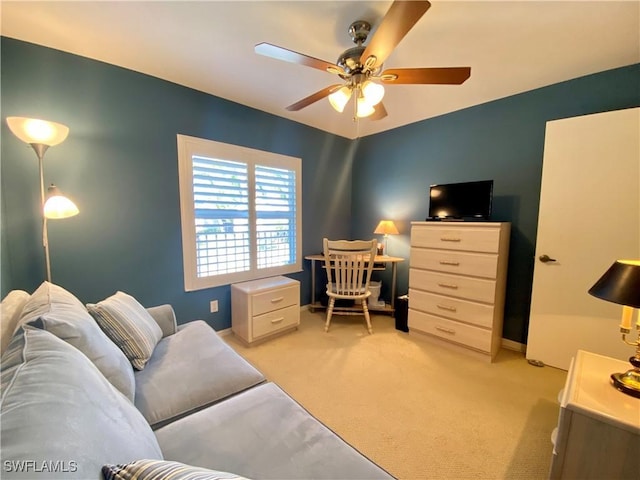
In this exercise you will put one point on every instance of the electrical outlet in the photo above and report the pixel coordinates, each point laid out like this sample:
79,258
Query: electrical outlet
213,305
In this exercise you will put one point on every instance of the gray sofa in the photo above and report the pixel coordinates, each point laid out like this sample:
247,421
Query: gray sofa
73,406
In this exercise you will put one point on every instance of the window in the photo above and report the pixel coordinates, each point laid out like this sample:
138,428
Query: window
241,213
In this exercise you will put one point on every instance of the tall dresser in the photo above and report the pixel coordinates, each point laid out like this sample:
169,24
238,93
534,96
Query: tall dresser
457,280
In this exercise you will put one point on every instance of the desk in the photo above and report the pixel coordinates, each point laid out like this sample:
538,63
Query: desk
379,263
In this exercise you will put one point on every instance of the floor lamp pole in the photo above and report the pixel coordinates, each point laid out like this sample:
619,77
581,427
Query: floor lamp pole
40,148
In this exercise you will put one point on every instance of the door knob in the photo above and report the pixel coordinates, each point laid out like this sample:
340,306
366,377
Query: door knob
546,258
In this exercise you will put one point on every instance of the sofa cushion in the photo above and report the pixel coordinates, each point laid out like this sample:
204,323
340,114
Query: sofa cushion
129,325
263,433
163,470
60,415
197,359
66,317
10,311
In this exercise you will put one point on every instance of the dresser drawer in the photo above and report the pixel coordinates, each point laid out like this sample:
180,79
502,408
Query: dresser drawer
476,313
275,321
275,299
474,239
468,335
474,264
477,289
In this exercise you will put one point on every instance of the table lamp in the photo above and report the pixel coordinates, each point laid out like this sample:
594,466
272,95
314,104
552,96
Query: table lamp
386,227
621,284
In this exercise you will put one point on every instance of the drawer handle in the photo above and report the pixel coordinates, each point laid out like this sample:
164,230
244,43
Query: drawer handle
447,307
453,286
277,320
276,300
451,239
446,330
449,262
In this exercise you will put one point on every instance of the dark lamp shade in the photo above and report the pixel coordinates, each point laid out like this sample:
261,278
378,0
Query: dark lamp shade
620,284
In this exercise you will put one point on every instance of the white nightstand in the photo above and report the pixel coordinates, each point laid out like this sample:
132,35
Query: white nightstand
598,433
262,309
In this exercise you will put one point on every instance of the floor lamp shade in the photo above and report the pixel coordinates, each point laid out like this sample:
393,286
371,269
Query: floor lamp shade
33,130
58,206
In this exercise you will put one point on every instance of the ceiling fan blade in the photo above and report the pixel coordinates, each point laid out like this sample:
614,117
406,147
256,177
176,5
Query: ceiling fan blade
280,53
442,76
305,102
379,112
400,18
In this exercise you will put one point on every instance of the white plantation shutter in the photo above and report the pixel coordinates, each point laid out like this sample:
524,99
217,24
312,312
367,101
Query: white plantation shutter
275,216
221,204
241,213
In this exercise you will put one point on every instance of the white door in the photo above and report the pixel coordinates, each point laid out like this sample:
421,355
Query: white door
589,217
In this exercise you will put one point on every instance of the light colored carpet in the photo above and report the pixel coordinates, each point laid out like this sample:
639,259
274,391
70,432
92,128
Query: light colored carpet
415,408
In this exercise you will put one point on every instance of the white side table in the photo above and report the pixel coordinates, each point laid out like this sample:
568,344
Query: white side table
262,309
598,434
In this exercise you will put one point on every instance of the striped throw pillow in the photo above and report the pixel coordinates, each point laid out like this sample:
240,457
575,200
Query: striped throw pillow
163,470
128,325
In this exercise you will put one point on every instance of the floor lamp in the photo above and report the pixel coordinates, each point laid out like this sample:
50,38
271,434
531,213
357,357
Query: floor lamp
40,135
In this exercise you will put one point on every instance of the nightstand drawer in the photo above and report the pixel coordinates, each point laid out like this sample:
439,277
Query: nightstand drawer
275,299
474,264
477,289
272,322
476,313
456,238
468,335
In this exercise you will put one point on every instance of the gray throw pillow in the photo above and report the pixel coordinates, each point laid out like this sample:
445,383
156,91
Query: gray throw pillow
62,314
10,311
129,325
60,415
163,470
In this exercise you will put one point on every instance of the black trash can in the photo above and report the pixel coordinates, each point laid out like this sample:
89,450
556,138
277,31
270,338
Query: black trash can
402,312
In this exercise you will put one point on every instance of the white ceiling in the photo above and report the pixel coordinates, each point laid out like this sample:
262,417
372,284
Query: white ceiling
511,47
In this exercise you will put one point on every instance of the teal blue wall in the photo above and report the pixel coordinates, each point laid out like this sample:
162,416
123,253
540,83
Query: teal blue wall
501,140
119,164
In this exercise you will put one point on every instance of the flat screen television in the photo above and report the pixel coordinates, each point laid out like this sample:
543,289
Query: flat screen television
459,201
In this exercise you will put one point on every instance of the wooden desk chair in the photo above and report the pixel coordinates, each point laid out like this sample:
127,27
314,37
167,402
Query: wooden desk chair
348,269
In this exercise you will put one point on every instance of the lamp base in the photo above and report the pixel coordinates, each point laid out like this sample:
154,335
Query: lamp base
628,382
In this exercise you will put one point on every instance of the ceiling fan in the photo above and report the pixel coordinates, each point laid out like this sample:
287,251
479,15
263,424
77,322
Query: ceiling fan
361,66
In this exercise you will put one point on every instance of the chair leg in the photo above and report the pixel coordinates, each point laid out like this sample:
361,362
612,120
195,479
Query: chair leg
366,315
332,302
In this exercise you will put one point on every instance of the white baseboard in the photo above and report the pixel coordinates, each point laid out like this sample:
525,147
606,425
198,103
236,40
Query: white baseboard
225,332
516,346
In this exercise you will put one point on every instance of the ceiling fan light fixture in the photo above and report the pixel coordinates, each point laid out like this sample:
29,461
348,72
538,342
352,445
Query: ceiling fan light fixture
364,108
339,98
372,92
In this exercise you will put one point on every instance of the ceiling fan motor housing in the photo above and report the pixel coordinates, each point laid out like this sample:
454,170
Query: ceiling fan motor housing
350,60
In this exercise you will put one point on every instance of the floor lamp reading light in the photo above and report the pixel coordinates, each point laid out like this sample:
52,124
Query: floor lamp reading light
621,284
40,135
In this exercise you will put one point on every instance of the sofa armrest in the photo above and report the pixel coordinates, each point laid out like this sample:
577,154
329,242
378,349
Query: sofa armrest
165,317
